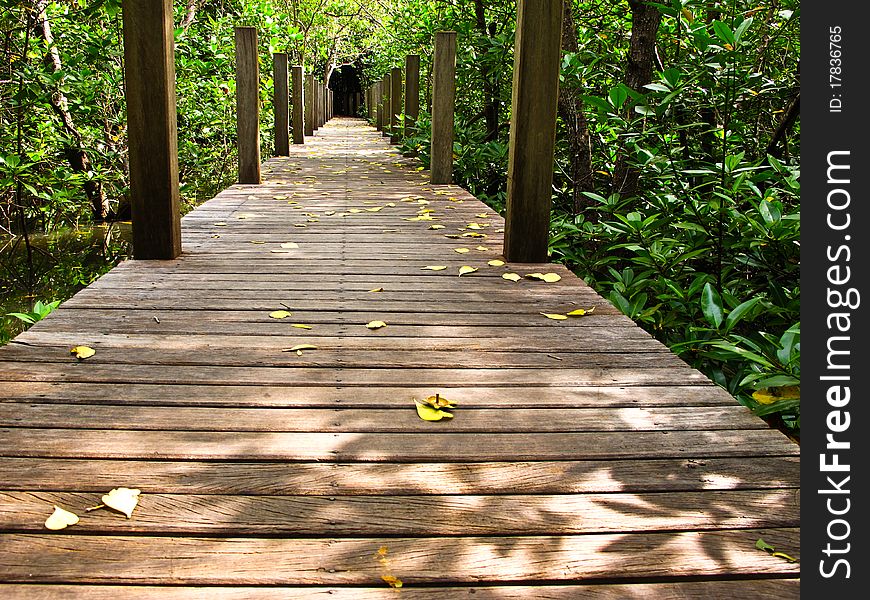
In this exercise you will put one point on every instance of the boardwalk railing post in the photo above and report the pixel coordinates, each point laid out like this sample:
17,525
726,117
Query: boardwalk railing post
412,93
388,106
149,54
395,104
537,57
298,105
248,104
379,106
443,98
281,103
309,104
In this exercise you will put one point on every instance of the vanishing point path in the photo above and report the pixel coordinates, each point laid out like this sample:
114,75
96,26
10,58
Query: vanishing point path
584,459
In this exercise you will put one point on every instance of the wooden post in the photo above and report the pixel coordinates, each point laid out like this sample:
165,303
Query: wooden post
281,103
379,106
149,54
309,104
298,105
388,106
534,97
395,104
248,104
412,93
443,98
315,102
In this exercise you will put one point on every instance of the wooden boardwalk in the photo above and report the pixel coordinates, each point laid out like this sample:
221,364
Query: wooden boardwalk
584,459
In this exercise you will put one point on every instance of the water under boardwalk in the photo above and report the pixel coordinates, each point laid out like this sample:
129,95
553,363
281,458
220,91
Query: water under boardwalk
582,452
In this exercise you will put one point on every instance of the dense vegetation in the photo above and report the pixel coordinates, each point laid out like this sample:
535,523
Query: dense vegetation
676,182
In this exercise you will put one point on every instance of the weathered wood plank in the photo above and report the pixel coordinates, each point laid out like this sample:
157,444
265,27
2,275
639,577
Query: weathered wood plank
382,396
685,590
248,104
380,447
416,516
347,479
397,420
172,560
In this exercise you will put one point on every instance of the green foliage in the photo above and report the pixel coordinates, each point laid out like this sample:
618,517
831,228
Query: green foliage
39,312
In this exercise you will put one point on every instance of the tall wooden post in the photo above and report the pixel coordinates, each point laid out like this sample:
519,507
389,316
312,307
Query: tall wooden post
412,93
309,104
298,105
379,106
443,98
149,54
395,104
281,103
248,104
388,106
534,97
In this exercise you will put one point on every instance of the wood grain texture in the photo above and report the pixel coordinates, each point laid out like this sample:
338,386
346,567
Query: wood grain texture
443,100
537,57
151,129
281,103
297,84
309,104
584,458
248,104
412,93
396,104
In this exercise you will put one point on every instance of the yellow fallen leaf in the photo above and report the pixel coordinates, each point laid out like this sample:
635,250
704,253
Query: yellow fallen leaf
496,263
548,277
380,289
60,519
555,317
482,248
483,215
299,348
393,582
434,268
511,277
465,270
257,242
301,326
473,234
220,224
375,209
439,401
289,245
123,500
299,225
771,395
280,314
461,250
82,352
354,210
329,213
580,312
375,324
279,251
427,413
436,226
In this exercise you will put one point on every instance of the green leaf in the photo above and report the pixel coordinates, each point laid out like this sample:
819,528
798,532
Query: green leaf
724,33
711,305
762,545
737,313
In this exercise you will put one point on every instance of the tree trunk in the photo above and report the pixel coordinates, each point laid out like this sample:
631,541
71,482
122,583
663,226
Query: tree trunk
645,21
490,88
571,110
74,153
190,14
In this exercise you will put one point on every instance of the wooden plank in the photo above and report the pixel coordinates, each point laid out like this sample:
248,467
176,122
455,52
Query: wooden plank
248,104
400,419
87,372
151,129
383,447
443,99
412,93
297,83
281,103
682,590
389,395
412,516
770,472
283,561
